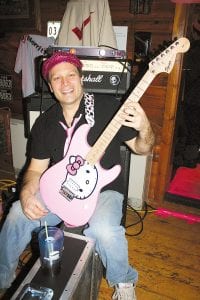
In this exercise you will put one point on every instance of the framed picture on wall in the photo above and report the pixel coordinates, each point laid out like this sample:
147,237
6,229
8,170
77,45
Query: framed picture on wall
19,15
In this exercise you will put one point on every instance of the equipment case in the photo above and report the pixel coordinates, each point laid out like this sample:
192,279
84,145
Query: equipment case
80,274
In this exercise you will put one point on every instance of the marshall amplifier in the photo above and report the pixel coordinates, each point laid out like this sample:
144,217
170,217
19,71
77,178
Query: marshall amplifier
108,76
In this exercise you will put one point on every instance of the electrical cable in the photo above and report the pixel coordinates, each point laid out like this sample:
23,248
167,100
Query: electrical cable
140,221
109,47
120,79
5,184
141,218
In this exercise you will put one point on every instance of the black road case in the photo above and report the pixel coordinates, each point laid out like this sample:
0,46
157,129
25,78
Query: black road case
79,278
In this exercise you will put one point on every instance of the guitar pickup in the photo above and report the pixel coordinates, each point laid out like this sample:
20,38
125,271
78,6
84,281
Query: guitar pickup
65,192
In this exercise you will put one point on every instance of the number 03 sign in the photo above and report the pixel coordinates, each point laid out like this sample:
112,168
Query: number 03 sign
53,28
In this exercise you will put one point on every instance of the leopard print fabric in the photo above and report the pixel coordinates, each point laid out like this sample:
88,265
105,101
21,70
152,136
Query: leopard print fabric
89,108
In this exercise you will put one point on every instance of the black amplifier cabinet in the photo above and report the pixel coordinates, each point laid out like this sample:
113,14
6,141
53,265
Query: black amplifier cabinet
33,106
108,76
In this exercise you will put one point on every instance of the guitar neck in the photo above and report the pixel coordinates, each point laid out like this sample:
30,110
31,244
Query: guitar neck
97,151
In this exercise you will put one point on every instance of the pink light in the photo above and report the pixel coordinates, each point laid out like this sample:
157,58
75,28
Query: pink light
190,218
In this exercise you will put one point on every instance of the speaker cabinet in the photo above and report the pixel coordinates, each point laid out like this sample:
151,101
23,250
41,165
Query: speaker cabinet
33,106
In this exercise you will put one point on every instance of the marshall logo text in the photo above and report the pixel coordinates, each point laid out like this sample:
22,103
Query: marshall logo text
92,78
101,81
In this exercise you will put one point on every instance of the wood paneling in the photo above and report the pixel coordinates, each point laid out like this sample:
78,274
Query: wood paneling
6,161
159,22
171,103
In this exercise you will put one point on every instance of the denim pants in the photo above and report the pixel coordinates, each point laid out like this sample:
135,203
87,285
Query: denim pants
104,228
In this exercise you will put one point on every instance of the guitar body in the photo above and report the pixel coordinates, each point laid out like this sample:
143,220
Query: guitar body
70,188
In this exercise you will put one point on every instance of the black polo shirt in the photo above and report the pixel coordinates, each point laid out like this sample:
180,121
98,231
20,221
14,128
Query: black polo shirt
48,136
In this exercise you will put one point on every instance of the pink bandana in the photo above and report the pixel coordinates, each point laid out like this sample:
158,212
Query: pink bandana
57,58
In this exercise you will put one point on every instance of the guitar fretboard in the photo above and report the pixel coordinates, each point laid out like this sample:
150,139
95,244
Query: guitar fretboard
162,63
113,127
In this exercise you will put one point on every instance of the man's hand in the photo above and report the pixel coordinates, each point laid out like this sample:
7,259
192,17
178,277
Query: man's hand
33,208
134,116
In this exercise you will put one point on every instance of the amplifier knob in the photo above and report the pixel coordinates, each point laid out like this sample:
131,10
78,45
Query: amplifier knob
102,52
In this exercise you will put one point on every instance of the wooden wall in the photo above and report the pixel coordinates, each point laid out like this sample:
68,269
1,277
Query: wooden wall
159,22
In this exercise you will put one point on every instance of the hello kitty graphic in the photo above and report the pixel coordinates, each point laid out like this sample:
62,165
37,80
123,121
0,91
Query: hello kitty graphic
81,179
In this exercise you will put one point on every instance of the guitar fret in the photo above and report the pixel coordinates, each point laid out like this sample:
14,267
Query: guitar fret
101,144
132,97
141,87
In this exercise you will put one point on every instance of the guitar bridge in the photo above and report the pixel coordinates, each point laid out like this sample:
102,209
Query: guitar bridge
65,192
69,189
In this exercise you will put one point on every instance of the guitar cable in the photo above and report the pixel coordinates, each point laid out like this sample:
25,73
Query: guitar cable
140,217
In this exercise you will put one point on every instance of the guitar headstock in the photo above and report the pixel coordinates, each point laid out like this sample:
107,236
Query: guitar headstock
164,62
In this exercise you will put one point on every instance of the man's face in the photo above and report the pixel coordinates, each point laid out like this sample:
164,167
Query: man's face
66,84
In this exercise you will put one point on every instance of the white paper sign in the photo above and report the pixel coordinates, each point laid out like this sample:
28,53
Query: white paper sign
121,33
53,28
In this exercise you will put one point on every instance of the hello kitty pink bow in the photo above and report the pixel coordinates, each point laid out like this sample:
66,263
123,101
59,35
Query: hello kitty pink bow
72,168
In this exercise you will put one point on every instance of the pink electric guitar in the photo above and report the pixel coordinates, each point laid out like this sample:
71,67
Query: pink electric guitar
71,187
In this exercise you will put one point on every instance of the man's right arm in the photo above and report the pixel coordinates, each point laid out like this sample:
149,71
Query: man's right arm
31,206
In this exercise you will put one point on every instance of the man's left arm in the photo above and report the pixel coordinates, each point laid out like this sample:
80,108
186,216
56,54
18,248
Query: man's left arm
143,143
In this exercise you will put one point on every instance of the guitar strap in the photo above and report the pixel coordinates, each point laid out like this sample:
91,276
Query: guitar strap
89,108
89,116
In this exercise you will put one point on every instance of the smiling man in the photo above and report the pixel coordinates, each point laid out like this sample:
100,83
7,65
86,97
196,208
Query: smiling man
51,138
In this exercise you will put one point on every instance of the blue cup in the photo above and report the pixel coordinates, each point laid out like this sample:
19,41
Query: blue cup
51,243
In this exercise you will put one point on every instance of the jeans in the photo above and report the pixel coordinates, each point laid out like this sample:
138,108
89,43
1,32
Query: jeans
104,228
111,244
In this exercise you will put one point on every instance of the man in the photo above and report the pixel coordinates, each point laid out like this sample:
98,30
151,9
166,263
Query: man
50,137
